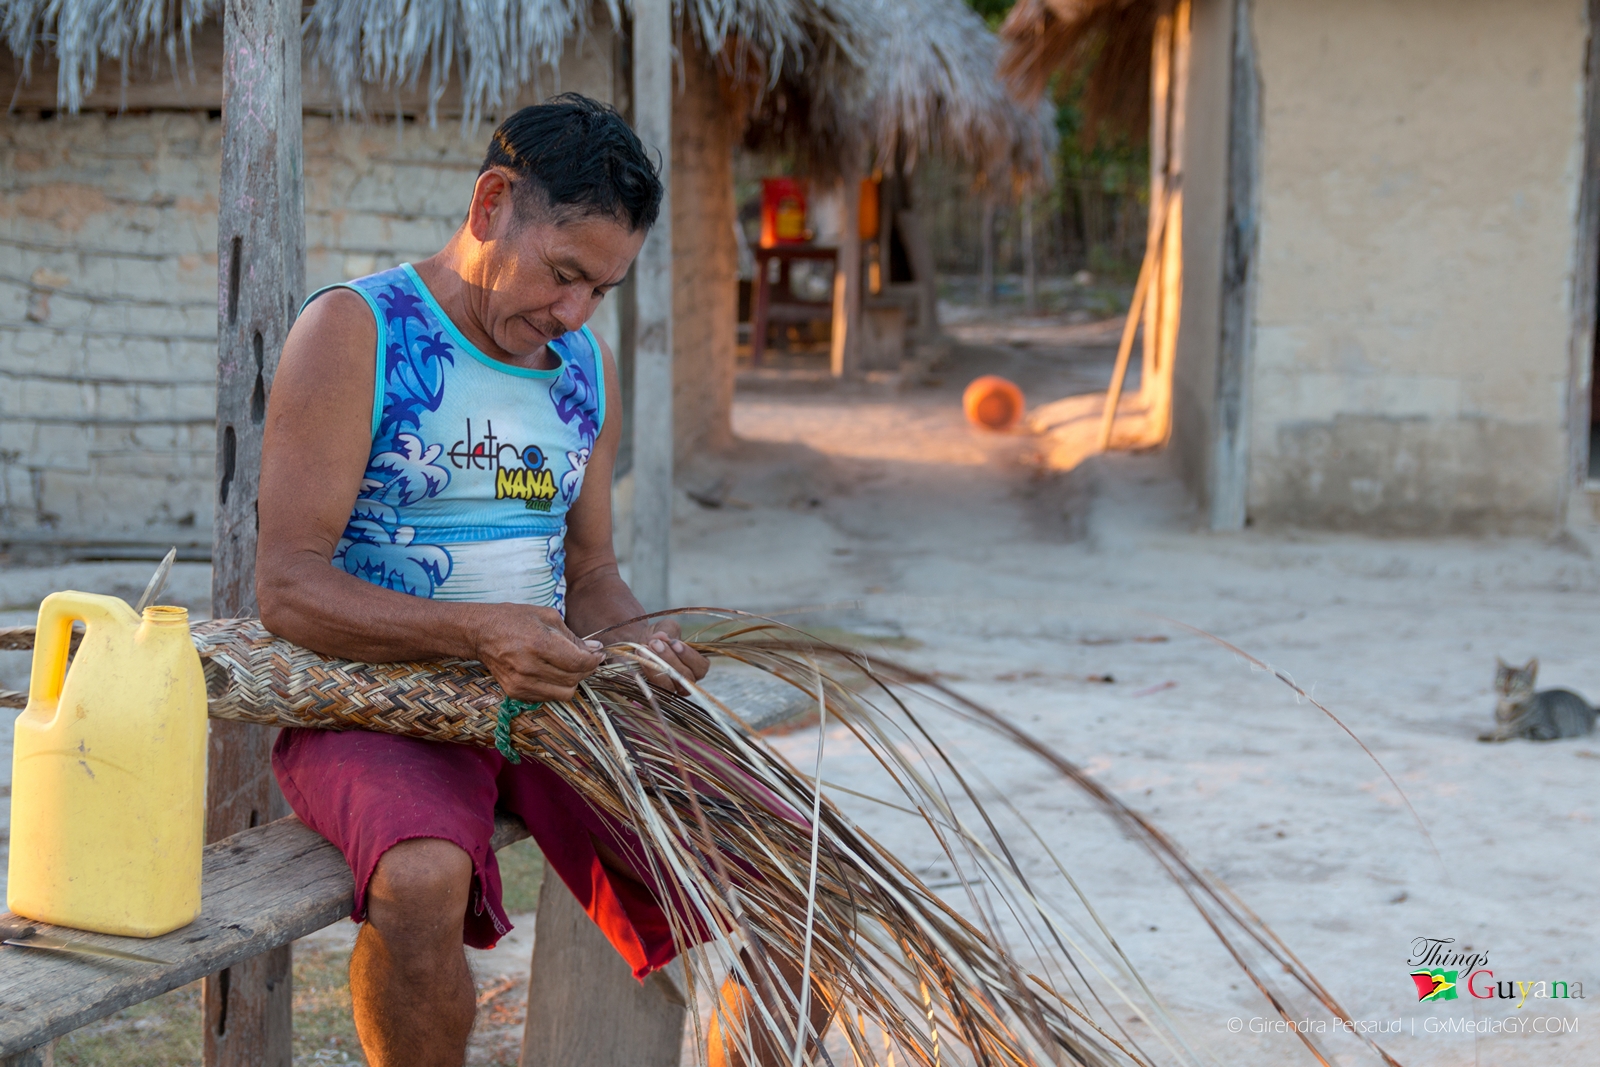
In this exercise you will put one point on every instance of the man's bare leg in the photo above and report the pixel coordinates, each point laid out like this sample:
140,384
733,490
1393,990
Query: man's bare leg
739,1023
409,984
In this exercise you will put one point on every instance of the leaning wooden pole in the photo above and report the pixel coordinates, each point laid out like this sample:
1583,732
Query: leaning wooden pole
1130,326
652,375
261,281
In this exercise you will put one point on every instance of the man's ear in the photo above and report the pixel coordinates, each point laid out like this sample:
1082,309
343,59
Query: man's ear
491,208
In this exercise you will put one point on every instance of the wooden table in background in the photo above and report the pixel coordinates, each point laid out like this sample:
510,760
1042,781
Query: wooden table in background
775,302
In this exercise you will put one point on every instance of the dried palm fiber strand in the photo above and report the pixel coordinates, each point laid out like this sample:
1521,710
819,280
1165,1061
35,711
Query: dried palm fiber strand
1250,942
728,828
724,825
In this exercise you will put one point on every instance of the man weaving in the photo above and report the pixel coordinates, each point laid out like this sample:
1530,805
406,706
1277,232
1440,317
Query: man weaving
436,481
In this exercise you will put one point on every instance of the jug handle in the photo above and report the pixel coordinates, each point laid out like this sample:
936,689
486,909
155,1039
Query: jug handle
53,638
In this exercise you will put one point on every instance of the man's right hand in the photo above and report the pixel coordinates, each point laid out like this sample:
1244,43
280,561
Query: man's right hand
532,654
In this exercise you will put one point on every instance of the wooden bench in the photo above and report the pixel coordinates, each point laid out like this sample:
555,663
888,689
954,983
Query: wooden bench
267,886
260,889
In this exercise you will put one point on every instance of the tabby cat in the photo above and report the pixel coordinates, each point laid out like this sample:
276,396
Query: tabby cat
1546,715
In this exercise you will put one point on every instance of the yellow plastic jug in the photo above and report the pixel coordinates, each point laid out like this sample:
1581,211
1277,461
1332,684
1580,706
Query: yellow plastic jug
108,775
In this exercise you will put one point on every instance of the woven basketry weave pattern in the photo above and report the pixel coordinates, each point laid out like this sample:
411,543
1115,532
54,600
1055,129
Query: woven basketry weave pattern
254,676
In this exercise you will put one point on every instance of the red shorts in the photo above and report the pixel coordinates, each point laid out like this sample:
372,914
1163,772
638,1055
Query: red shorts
367,792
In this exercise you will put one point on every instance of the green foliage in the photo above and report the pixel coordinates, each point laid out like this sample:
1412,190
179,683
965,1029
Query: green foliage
993,12
521,872
163,1032
166,1031
1109,159
1106,166
1097,163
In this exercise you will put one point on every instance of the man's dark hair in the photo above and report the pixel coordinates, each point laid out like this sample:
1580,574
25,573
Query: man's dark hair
573,157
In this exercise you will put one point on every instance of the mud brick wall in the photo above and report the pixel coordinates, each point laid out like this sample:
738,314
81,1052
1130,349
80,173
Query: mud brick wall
108,289
108,321
705,260
1420,166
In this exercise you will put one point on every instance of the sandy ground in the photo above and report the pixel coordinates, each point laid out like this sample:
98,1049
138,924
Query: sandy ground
889,516
1022,586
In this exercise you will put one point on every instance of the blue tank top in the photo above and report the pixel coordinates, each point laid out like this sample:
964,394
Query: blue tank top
474,463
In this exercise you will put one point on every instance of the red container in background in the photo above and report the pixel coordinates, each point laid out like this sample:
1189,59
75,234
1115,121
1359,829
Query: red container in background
993,403
783,212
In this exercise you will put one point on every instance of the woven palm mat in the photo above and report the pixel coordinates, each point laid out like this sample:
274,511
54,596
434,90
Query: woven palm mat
254,676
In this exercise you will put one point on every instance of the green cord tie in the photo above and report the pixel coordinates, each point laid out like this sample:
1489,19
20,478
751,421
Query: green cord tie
510,708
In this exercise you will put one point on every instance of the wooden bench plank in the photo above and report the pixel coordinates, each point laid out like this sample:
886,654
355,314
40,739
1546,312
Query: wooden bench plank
259,889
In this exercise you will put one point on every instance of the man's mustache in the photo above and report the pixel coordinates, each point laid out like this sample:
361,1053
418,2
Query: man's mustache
551,328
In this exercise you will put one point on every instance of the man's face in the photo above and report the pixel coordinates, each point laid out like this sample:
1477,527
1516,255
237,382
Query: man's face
541,278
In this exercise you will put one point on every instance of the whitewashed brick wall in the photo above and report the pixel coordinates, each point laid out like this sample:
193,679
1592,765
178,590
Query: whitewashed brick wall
107,326
108,288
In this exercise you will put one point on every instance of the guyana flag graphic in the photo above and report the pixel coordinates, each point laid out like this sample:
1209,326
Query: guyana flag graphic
1435,984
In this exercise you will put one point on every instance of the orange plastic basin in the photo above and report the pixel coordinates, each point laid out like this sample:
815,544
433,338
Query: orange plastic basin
993,403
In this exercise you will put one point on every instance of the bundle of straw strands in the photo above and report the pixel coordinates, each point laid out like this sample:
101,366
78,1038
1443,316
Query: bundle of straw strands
781,878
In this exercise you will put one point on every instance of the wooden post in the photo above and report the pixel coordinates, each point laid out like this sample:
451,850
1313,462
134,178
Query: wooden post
986,270
1160,116
1030,265
585,1009
1156,388
888,212
760,302
920,251
42,1056
1230,461
652,393
846,340
261,281
1164,303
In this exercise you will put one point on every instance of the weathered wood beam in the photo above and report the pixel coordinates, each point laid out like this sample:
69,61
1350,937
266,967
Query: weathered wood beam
1160,147
1230,461
986,239
650,557
1030,259
43,1056
919,250
261,281
1155,387
585,1008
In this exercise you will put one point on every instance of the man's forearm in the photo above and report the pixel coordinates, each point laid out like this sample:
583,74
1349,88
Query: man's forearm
599,599
312,603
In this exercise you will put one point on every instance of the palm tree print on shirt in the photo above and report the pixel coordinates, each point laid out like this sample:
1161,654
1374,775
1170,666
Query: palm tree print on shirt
575,398
376,545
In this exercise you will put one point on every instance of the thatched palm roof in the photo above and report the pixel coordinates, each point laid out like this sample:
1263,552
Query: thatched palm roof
934,86
1108,41
894,76
922,79
82,32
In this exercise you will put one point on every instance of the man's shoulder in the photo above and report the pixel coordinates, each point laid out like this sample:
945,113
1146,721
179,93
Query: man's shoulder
340,313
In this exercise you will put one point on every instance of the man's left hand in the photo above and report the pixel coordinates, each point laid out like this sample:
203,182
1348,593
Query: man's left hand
665,640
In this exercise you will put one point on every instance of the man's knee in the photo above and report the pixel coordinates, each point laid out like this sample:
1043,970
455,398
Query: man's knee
422,882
